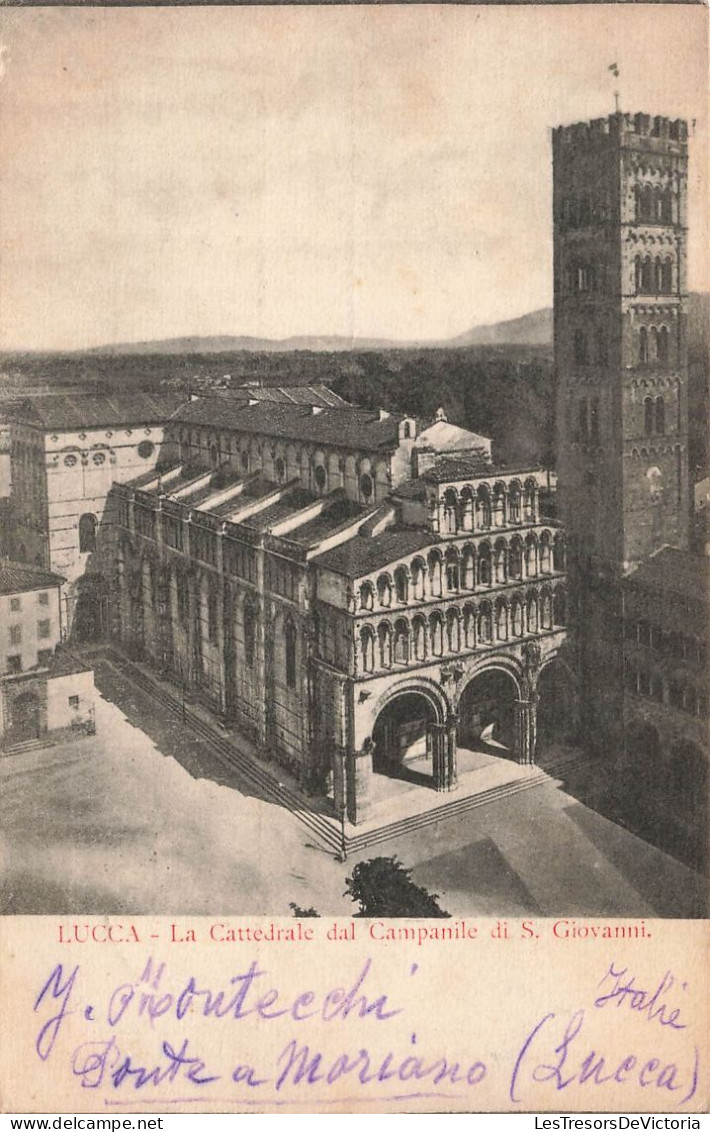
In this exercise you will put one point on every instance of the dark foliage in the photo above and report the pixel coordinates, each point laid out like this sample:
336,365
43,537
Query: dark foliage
383,887
303,913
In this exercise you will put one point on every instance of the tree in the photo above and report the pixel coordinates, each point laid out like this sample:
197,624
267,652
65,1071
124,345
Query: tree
383,887
302,913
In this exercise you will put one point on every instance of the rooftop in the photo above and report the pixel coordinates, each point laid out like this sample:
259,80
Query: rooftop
19,577
292,395
673,571
343,427
364,554
69,411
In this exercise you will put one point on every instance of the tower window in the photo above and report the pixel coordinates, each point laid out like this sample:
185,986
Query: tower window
580,348
648,416
643,344
662,344
660,416
667,276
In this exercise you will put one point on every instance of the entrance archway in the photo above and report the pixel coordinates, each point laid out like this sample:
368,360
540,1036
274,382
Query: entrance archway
402,737
487,719
555,707
25,718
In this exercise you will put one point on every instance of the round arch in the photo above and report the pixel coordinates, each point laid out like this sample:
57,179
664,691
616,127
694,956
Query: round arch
486,707
402,734
556,705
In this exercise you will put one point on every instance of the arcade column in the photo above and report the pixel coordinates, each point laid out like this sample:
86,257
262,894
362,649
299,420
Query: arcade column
439,743
526,730
358,783
450,770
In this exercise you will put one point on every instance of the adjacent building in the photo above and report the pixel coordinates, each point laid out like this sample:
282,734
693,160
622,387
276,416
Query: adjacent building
44,693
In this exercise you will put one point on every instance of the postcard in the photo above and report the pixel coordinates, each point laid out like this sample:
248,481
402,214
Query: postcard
354,559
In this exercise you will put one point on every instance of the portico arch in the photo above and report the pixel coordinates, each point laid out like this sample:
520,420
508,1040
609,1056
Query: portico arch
414,737
488,711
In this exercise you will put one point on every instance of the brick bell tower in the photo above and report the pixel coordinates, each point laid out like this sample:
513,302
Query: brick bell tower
620,298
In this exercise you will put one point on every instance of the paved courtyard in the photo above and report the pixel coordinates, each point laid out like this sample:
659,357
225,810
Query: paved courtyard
144,818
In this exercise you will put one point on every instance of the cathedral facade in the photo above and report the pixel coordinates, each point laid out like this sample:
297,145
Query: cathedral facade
360,592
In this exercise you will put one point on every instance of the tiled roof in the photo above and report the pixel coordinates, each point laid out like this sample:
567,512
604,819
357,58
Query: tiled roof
341,511
458,468
674,571
361,555
63,411
292,395
18,577
344,427
411,489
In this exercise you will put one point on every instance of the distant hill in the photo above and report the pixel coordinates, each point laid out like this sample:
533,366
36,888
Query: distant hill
533,329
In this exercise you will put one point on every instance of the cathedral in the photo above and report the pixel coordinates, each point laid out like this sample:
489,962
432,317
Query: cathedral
363,593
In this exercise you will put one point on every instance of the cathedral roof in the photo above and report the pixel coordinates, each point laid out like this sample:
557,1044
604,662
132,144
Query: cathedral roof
58,412
362,554
342,427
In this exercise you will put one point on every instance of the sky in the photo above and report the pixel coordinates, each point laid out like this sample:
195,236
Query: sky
361,171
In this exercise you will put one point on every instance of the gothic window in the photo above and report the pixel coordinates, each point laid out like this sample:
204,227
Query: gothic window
514,504
436,634
529,507
367,648
401,642
290,649
558,553
320,477
435,574
401,583
366,487
419,626
406,431
662,344
643,344
501,621
638,274
484,565
667,276
530,556
384,638
483,508
467,509
648,416
384,590
500,562
485,624
515,559
452,630
450,518
532,614
546,610
499,506
660,416
658,274
653,344
580,348
647,276
517,618
418,569
545,554
367,596
469,626
87,533
249,633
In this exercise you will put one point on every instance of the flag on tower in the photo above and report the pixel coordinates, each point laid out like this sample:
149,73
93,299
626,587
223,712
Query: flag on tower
614,68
